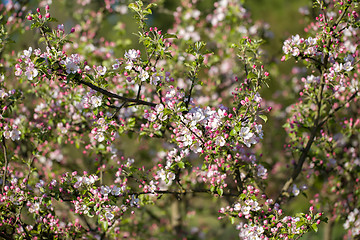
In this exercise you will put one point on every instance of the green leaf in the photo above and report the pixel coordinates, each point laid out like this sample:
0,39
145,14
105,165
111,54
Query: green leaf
39,60
220,191
168,35
263,117
101,147
104,225
199,45
299,224
181,164
148,11
90,215
314,227
35,25
59,140
251,75
233,132
131,122
151,5
158,133
139,3
134,7
243,196
121,129
51,19
204,167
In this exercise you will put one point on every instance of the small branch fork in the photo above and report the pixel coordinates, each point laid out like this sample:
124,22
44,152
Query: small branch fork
105,92
298,167
113,95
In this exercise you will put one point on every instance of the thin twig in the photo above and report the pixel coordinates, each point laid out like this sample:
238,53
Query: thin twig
6,164
139,91
202,141
113,95
46,39
180,192
331,114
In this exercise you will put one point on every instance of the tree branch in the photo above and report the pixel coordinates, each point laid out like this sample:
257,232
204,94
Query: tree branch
331,114
181,192
6,164
113,95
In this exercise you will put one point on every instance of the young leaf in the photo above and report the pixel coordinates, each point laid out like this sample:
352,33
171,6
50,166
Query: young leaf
314,227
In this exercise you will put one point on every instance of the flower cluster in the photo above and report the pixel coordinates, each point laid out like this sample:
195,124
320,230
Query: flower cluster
353,223
14,133
266,219
31,71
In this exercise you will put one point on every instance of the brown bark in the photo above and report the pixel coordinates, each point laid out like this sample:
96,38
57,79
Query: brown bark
328,230
176,217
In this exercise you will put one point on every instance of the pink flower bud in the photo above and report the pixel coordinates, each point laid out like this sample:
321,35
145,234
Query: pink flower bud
40,16
47,7
47,15
29,18
72,30
38,10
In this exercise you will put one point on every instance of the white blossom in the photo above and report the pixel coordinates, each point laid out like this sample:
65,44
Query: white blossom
31,73
96,101
109,216
105,190
132,54
101,70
